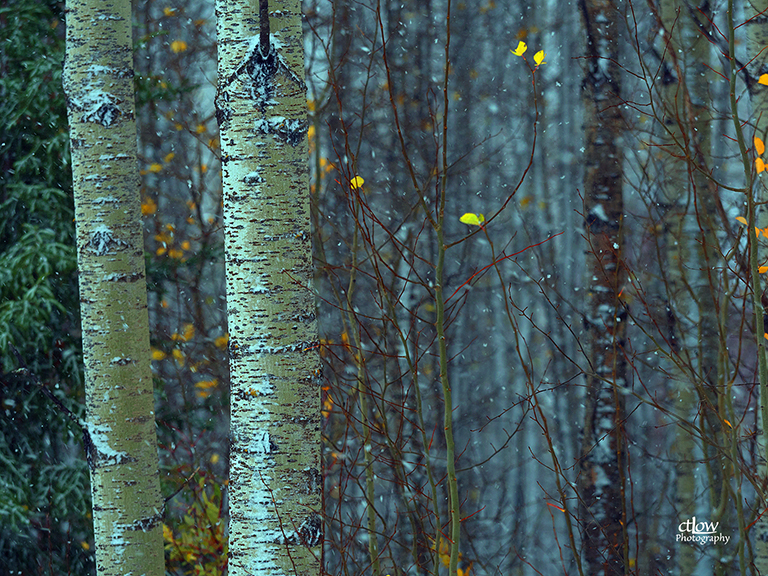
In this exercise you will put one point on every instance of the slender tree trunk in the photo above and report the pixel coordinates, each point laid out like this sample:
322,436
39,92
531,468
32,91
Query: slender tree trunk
275,483
122,455
691,247
757,38
601,479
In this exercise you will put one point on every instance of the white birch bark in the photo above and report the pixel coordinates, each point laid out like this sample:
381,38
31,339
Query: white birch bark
275,484
691,249
98,80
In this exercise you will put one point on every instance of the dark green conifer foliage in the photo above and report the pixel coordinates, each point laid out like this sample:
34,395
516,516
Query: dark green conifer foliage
44,494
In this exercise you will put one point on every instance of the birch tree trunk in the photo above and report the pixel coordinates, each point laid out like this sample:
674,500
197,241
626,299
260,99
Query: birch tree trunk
122,455
601,479
275,483
692,251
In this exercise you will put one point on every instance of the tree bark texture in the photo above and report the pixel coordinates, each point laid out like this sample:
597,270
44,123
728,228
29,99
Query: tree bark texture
122,455
275,481
601,477
692,251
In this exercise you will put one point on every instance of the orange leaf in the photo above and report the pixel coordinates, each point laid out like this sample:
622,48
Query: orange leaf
741,219
763,80
178,46
759,146
762,269
759,164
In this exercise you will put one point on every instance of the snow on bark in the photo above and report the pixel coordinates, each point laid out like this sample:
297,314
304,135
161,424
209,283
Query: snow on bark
122,445
274,492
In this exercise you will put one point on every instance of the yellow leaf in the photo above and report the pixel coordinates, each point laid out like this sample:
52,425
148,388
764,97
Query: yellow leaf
168,157
221,341
157,354
763,80
356,182
178,46
741,219
539,57
762,269
489,6
155,167
167,533
726,421
759,164
521,48
473,219
205,384
759,146
189,332
148,206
